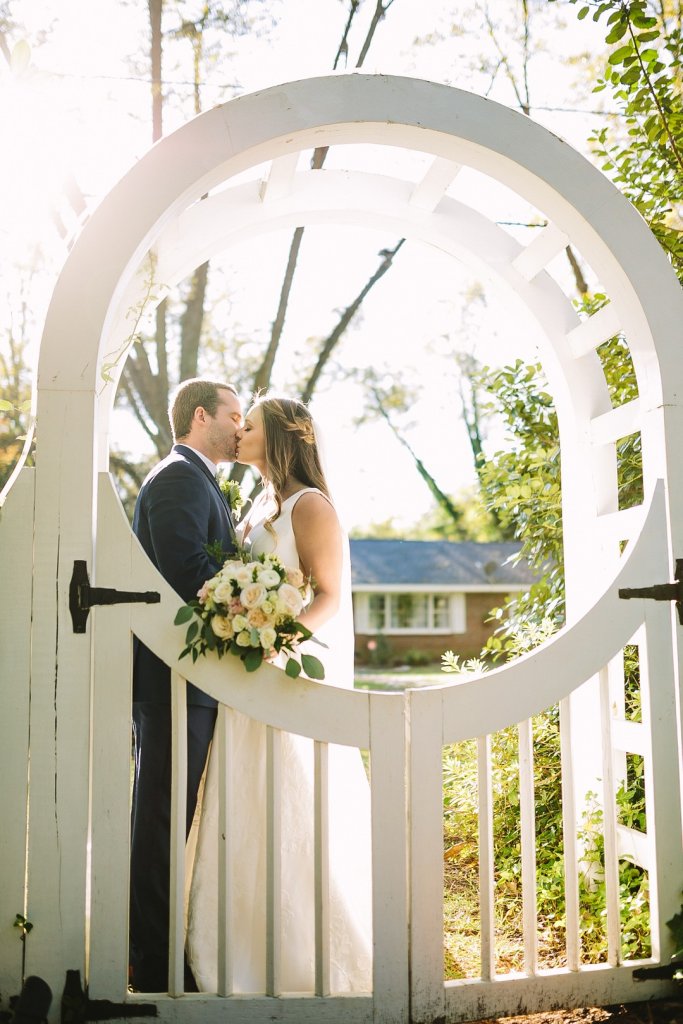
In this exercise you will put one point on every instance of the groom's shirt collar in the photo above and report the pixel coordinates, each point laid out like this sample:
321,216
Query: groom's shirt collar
211,466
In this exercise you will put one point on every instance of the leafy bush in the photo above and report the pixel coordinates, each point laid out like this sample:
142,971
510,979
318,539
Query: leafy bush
417,658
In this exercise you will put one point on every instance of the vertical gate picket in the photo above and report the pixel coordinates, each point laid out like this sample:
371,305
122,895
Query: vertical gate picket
224,749
176,931
111,743
662,785
273,860
389,858
60,685
426,854
610,822
486,860
16,553
322,870
569,840
528,833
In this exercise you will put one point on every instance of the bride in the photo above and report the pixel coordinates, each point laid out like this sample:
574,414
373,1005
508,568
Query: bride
295,518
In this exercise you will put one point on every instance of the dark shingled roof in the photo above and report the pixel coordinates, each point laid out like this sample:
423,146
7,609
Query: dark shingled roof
437,562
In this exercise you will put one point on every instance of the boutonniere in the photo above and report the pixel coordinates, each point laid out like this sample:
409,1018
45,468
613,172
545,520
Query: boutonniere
232,492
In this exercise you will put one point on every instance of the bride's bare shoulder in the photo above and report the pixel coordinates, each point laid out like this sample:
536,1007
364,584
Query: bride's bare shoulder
313,508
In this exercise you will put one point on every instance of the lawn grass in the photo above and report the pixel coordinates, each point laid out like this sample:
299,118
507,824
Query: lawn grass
399,678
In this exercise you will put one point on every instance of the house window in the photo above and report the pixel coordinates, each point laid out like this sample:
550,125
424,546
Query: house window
410,613
376,613
441,611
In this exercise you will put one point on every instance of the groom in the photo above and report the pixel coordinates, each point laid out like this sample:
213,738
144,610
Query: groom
180,509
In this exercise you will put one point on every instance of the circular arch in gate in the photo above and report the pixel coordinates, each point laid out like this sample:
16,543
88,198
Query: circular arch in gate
178,206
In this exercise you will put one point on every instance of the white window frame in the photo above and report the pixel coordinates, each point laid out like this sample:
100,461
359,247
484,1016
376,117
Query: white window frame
457,612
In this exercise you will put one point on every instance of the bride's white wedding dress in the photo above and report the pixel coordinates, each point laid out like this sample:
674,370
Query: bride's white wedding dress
349,826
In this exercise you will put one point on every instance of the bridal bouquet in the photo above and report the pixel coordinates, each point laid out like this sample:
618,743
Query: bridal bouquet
249,609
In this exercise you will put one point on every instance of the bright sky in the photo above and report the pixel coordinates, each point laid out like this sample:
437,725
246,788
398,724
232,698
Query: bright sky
86,112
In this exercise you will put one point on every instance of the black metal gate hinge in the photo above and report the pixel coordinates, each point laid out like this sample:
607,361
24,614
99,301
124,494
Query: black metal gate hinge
661,591
82,596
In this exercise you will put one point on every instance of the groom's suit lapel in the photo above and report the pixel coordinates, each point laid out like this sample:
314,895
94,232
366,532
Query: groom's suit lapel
187,453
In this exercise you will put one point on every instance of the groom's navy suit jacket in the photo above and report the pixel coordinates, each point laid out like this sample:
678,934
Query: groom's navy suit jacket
179,510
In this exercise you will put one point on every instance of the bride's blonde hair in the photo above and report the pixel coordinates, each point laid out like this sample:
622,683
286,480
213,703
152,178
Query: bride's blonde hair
291,447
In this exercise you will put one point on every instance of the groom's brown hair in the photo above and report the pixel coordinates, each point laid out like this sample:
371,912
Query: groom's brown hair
189,395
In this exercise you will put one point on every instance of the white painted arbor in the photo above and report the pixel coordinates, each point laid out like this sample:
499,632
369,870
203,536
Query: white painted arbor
66,697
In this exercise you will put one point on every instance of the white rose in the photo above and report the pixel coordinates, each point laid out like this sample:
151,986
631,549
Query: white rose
222,627
243,575
269,578
240,623
243,639
267,637
289,600
268,607
253,595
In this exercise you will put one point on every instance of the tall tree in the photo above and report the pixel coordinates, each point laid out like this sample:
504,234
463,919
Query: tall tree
158,361
173,352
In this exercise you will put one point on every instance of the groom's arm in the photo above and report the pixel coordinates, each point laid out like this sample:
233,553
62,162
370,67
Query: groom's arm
179,507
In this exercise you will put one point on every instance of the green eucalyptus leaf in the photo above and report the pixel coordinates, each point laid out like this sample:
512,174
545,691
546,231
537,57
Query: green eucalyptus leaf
312,666
183,615
292,668
253,659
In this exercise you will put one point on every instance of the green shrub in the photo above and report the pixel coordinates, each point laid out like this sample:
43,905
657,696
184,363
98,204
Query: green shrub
417,658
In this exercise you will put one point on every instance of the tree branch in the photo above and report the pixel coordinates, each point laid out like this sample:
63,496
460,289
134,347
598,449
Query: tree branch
263,374
345,319
441,498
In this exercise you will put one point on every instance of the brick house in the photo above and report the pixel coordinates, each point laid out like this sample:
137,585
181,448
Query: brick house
430,596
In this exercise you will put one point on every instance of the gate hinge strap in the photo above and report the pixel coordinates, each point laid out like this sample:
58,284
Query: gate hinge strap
82,596
661,591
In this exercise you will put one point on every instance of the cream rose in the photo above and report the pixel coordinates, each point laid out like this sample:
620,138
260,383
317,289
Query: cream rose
222,627
289,600
267,637
295,577
243,639
223,592
253,595
240,623
268,607
256,618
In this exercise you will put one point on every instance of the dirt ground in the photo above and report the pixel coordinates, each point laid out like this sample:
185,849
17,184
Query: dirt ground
659,1012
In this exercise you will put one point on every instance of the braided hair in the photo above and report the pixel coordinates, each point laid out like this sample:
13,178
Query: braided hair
291,448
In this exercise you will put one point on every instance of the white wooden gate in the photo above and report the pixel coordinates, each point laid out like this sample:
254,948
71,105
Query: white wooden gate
66,697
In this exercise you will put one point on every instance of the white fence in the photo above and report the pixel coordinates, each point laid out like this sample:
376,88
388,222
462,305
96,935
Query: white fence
405,735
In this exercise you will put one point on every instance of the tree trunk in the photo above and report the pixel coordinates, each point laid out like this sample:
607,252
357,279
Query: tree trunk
155,10
191,322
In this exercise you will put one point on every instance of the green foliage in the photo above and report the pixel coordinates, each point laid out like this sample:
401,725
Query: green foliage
24,926
675,925
461,839
461,797
643,149
417,658
522,487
